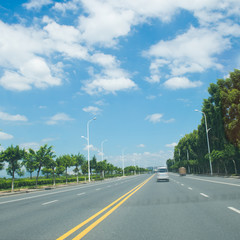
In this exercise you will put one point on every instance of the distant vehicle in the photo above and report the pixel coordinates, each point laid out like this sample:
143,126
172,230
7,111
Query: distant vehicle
162,174
182,171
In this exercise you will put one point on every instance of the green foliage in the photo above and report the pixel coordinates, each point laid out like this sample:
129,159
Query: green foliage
12,155
222,110
230,98
41,158
93,163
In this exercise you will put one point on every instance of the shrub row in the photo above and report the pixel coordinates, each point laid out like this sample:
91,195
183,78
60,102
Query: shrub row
26,182
18,183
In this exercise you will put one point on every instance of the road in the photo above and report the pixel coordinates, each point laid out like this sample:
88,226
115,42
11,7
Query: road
136,207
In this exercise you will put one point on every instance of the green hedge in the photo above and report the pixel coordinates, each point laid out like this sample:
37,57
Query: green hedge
26,182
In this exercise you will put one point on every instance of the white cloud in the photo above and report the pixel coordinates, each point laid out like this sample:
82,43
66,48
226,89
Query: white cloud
105,22
146,159
181,83
141,145
171,145
193,51
154,118
70,5
93,110
100,103
91,148
20,51
158,117
33,145
46,140
5,136
42,107
60,117
37,4
151,97
8,117
169,120
110,80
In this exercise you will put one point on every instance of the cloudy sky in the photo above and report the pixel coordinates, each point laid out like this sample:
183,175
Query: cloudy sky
141,67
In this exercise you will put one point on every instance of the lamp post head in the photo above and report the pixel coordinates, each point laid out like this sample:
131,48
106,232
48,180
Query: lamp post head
84,137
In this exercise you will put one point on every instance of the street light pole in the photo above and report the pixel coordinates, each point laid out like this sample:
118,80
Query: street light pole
123,160
88,147
102,147
205,118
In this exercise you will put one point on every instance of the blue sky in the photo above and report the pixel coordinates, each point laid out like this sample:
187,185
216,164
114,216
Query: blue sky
141,67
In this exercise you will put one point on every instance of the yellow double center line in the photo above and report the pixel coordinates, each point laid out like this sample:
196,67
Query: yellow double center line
120,201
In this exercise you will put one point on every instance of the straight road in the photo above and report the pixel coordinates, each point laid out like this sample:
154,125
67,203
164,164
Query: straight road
136,207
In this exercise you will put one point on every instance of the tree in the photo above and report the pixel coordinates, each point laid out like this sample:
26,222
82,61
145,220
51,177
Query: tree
93,164
230,98
102,167
28,163
66,161
52,164
110,168
12,155
59,166
77,162
84,167
41,158
1,163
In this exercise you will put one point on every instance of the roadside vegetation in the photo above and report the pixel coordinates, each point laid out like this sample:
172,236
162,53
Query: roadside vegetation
55,170
222,110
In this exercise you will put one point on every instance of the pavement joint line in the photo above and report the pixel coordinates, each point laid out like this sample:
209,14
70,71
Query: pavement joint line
234,209
204,195
93,225
46,203
64,236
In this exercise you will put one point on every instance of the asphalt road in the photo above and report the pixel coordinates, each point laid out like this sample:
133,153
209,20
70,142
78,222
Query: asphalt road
137,207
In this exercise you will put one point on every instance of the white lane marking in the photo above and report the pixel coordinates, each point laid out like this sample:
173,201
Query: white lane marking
109,186
49,202
205,180
177,182
98,189
79,194
190,188
46,194
204,195
234,209
182,184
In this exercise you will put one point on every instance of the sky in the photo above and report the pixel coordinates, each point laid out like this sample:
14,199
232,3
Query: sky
140,67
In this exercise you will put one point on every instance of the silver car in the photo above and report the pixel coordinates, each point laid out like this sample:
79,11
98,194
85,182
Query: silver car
162,174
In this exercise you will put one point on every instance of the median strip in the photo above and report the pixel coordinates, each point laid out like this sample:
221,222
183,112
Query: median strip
119,202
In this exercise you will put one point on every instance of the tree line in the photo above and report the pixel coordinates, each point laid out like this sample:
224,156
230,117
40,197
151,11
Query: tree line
44,161
222,110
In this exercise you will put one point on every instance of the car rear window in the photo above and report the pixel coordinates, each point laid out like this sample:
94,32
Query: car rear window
162,170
